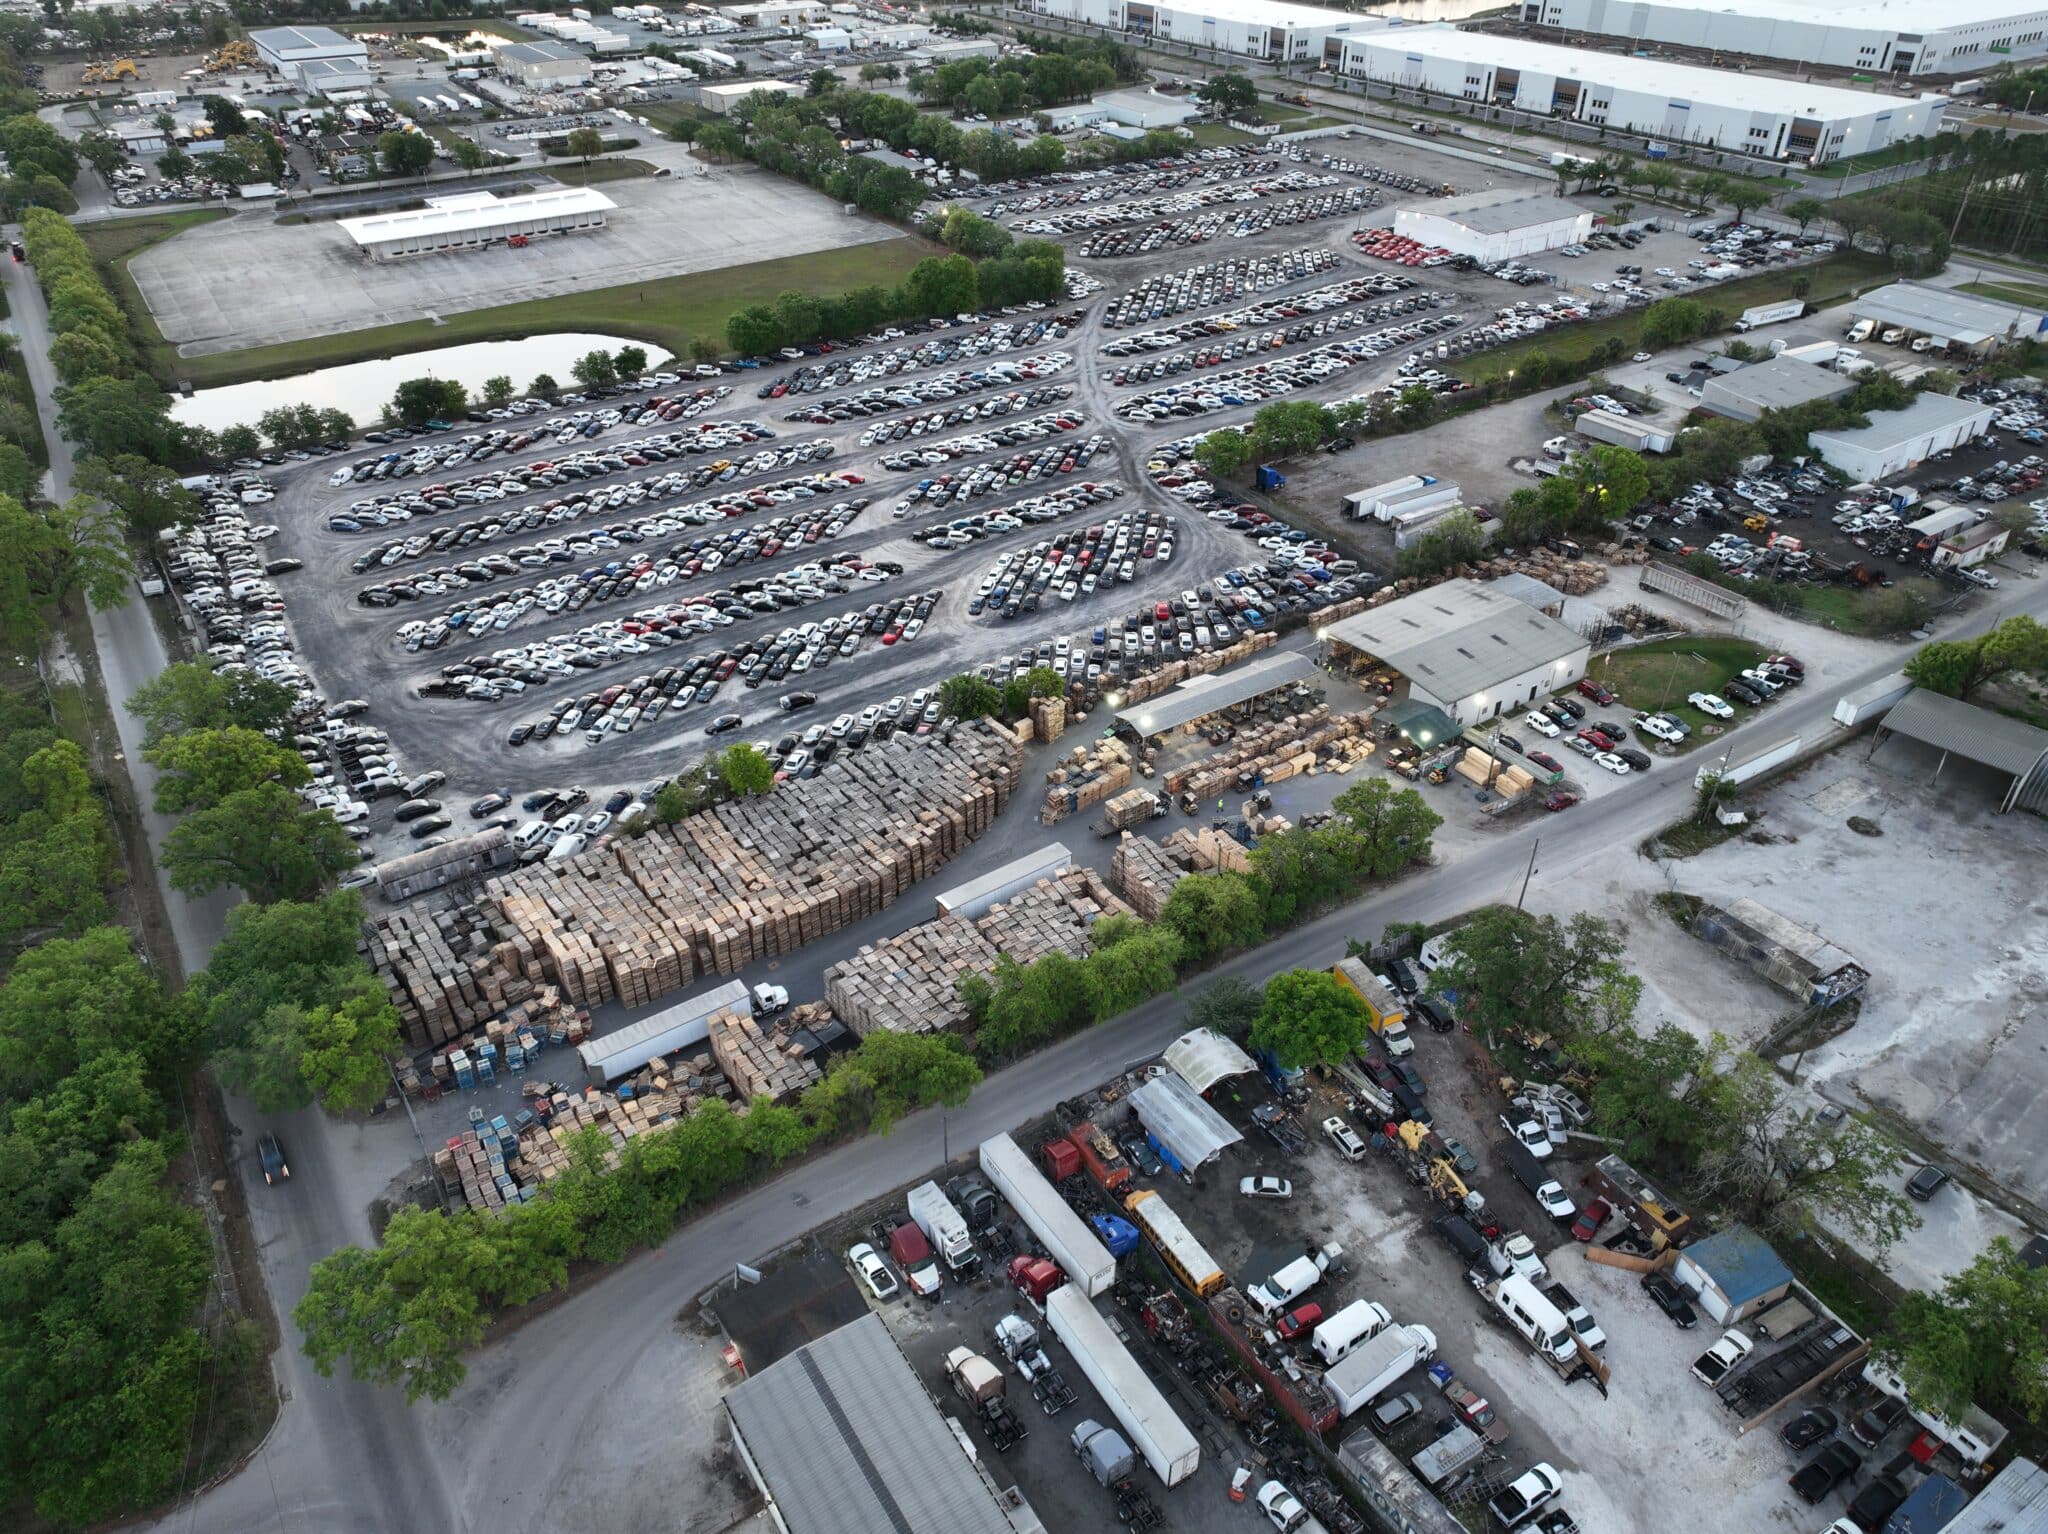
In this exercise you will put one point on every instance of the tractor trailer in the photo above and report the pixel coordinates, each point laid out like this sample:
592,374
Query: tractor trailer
1160,1437
1086,1261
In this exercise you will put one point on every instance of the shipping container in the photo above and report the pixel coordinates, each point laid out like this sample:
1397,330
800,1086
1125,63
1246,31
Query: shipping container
1160,1437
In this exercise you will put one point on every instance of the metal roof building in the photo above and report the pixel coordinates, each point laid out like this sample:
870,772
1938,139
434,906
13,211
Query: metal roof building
1778,384
540,65
1796,959
1956,728
2016,1502
1735,1272
1261,29
472,220
1200,696
1473,651
1896,440
1185,1126
1948,315
1204,1057
841,1438
279,46
460,857
1496,225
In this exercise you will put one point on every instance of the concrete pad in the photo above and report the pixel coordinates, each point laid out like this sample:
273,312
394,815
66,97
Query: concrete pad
249,281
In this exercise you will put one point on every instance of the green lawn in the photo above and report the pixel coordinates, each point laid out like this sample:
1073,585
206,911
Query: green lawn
2009,292
1658,676
576,173
668,312
1828,281
1218,135
1903,153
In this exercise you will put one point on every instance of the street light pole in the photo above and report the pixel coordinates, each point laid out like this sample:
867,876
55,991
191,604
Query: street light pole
1527,872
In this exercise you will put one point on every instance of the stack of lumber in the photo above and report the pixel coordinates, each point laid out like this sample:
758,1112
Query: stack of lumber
1208,851
1086,778
746,881
1144,874
759,1062
1248,744
1048,718
1295,752
1054,916
1479,767
908,984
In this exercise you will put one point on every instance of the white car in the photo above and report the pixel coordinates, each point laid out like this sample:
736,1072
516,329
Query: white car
1612,763
1349,1146
1762,680
1284,1511
1660,728
1542,724
1711,703
872,1270
1532,1136
1265,1187
1641,357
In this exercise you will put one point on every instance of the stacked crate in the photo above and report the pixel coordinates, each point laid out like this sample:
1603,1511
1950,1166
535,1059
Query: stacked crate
1084,779
1048,718
1207,851
909,983
1293,752
1249,744
1054,916
1143,874
758,1062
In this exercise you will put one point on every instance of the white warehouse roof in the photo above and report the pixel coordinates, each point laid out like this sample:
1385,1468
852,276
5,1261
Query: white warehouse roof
1896,428
472,210
1966,318
1274,13
1681,82
1459,638
305,42
1881,15
1498,212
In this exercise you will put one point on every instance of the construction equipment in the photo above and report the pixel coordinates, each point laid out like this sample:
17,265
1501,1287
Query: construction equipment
235,53
1755,522
109,73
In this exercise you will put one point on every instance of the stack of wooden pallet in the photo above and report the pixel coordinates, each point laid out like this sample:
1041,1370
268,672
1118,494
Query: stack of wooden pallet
1085,778
758,1061
1048,718
908,984
465,1171
441,982
1144,874
1296,752
1053,916
544,1153
1207,851
1249,744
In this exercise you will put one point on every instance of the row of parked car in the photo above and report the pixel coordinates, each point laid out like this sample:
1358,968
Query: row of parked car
1016,402
1073,564
1228,348
853,369
1212,283
1208,192
1174,232
879,400
1365,289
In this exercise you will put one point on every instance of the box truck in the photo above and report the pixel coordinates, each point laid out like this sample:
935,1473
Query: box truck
945,1229
1389,1016
1159,1436
1086,1261
1375,1366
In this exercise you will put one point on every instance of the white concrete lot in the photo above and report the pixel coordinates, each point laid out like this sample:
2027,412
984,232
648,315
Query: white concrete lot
215,288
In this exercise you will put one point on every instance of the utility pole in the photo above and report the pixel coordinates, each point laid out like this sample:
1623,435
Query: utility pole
1527,872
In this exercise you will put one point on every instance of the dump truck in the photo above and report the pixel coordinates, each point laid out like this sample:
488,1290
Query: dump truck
1061,1231
1359,1378
945,1229
1383,1005
1159,1436
1128,809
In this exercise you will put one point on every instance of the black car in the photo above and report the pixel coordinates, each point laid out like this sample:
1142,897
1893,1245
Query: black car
489,804
537,798
1742,692
1411,1078
723,724
1670,1299
1926,1182
1876,1502
618,801
1825,1471
421,829
1636,760
1436,1013
413,809
1871,1427
790,702
1808,1428
1141,1155
270,1156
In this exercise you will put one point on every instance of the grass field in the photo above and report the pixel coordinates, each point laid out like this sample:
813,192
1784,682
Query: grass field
1659,675
669,312
1218,135
1835,278
2010,292
1902,153
576,173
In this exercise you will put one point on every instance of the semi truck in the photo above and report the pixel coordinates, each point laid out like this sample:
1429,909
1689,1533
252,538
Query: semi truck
1104,1452
1385,1009
1770,314
1061,1231
1363,1375
945,1229
1159,1436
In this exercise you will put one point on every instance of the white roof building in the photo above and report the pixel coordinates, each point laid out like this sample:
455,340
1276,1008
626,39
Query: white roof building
1879,37
1204,1057
1495,225
473,220
1770,118
290,51
1260,29
1895,440
542,66
1950,316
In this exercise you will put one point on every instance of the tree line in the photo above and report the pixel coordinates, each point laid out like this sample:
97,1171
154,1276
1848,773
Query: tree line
1071,70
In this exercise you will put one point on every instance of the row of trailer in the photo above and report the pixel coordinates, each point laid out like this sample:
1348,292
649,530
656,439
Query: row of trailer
448,105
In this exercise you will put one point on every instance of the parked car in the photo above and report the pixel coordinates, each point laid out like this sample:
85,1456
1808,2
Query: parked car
868,1264
1590,1219
1871,1427
270,1156
1820,1475
1345,1138
1808,1428
1712,1366
1670,1299
1926,1182
1265,1187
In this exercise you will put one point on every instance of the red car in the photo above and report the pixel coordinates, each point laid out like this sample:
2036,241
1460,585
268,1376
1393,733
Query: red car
1562,799
1590,1219
1546,761
1299,1321
1588,688
1597,736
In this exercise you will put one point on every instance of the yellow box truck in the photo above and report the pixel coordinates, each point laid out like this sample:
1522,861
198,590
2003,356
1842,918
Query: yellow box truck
1383,1005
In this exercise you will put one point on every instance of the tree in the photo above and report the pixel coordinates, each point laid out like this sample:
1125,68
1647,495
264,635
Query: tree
1622,209
1894,609
1232,94
146,494
1393,826
1982,1339
630,361
108,1005
333,1053
1804,210
704,349
969,233
238,441
1511,970
544,386
1455,539
1744,195
48,554
497,389
967,696
1959,667
419,400
404,154
1226,1004
259,840
721,143
746,769
1290,427
1214,912
186,696
224,116
889,1075
1309,1017
595,367
1223,452
112,416
199,769
469,154
672,803
586,144
1673,322
1131,961
1610,481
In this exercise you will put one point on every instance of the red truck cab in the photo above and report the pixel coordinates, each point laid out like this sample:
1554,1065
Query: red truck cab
1035,1277
913,1255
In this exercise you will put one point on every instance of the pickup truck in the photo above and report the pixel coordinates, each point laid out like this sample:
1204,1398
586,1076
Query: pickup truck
1525,1496
1712,1366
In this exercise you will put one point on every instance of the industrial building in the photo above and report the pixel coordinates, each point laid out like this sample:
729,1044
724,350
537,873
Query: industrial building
2016,1502
473,220
285,49
1876,37
1967,321
1772,119
544,66
1896,440
1778,384
1131,109
140,136
1472,651
1496,226
1258,29
1200,697
331,77
842,1438
721,99
1734,1273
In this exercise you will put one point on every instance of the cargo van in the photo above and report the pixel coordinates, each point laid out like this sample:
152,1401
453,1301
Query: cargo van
1541,1323
1356,1323
1893,336
529,834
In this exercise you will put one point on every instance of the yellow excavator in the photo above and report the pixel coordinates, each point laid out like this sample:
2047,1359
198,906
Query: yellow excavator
235,53
109,73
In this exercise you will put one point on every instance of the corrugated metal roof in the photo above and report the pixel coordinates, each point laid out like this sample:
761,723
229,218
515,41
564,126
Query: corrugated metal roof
1895,428
1459,638
849,1442
1200,696
1741,1264
1204,1057
474,210
1946,313
1526,588
1189,1127
1775,385
2016,1502
1949,724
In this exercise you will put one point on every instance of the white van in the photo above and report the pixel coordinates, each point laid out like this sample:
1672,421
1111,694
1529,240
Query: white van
529,834
1539,1321
568,847
1356,1323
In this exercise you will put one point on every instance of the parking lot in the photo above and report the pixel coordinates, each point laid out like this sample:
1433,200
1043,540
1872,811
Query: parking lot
881,494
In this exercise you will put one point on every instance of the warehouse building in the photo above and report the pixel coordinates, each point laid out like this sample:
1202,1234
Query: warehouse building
473,220
331,77
1778,384
1496,226
842,1438
1896,440
1878,37
284,49
1258,29
1470,650
1130,109
544,66
721,99
1964,320
1772,119
1202,697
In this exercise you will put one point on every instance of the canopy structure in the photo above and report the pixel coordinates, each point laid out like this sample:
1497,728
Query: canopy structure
1200,696
1956,728
1204,1057
1175,1115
